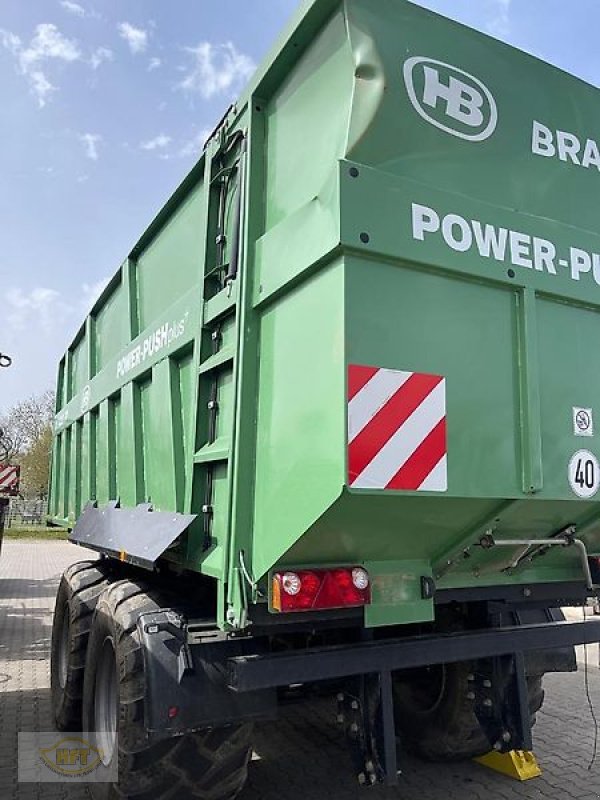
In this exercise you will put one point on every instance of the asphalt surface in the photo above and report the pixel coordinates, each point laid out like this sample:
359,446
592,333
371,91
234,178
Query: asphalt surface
302,756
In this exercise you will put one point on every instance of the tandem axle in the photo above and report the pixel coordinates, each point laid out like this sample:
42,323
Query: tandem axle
207,679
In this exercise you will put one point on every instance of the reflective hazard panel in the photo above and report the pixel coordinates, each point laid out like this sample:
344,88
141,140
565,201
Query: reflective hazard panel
396,430
9,478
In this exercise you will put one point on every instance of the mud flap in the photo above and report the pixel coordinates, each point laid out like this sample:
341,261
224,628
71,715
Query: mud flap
186,683
538,662
135,535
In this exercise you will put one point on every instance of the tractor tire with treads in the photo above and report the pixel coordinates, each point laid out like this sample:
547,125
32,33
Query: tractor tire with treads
436,719
80,587
207,765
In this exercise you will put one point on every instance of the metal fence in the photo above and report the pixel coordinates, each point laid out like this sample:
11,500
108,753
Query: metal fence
25,513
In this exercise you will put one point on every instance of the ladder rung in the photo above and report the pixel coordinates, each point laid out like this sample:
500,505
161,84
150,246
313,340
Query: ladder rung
217,451
224,355
220,304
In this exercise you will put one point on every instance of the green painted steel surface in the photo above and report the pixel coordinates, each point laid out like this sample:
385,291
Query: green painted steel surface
415,197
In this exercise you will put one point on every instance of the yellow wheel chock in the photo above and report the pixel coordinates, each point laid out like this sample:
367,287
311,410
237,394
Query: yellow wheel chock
521,765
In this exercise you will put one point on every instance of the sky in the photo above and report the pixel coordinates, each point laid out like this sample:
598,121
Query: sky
105,107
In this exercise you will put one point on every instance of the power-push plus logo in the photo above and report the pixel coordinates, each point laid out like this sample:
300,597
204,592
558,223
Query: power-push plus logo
451,99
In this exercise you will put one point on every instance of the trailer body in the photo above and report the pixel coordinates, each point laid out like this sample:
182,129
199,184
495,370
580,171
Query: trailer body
400,194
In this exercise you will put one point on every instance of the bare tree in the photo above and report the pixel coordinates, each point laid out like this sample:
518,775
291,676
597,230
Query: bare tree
26,439
25,422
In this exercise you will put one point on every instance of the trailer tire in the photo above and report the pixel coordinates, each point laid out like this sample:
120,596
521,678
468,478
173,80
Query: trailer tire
448,730
80,587
207,765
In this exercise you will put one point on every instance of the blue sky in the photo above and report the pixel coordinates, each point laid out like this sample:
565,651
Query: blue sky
104,109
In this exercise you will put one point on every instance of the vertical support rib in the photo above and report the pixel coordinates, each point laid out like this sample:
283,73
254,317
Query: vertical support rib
60,386
66,471
389,729
522,701
92,421
69,376
529,387
246,363
78,465
130,283
193,484
175,399
57,472
85,460
90,335
112,448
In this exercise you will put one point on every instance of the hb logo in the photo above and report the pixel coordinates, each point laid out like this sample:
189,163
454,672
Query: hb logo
451,99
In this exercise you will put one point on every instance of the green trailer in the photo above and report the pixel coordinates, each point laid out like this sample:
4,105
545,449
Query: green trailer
336,417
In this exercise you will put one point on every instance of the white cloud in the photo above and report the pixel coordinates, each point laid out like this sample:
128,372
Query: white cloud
216,68
48,306
136,38
73,8
154,63
10,41
194,147
48,44
91,141
41,303
158,143
100,55
499,23
39,324
41,87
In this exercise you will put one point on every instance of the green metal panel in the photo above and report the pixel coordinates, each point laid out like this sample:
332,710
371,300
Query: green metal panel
168,268
79,366
306,123
300,438
416,198
112,326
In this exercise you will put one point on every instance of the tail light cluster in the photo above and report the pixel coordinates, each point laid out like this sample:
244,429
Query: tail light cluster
318,589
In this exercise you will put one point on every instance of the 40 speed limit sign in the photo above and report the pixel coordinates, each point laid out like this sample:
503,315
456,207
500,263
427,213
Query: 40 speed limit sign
584,474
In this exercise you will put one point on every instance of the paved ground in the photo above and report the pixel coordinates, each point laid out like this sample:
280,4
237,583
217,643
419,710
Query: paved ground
302,757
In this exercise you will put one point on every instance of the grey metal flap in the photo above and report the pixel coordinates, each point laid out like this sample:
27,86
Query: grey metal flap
137,535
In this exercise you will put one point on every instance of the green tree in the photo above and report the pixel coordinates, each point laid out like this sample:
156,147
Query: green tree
35,465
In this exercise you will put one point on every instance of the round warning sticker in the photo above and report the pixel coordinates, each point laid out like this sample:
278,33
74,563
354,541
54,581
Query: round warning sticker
584,474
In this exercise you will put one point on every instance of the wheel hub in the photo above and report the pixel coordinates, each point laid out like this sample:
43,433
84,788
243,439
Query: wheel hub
106,702
63,649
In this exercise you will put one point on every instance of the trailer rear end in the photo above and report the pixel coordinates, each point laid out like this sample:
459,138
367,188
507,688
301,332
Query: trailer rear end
335,417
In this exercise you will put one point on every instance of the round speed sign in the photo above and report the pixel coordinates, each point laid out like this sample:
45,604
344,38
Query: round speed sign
584,474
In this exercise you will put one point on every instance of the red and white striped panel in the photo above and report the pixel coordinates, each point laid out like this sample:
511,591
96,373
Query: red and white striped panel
9,478
396,430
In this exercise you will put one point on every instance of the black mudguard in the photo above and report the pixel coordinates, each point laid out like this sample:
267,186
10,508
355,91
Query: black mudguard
186,684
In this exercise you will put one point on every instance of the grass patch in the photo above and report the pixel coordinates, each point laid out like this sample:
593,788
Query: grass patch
36,532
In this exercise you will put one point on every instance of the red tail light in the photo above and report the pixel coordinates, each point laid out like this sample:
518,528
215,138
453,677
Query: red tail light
318,589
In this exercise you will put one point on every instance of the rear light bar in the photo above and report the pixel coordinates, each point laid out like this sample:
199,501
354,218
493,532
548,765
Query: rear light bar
319,589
